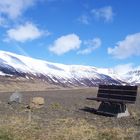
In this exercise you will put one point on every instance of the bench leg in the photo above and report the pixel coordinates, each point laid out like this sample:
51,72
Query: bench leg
123,111
122,107
113,109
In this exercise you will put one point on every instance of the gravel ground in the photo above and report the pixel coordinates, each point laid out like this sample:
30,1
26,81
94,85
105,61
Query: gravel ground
69,104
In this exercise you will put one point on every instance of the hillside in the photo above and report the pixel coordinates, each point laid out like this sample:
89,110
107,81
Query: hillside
17,66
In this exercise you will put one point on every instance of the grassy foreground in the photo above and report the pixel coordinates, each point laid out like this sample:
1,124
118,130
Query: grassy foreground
19,128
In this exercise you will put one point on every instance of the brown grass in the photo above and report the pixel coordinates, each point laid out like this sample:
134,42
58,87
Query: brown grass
18,128
22,84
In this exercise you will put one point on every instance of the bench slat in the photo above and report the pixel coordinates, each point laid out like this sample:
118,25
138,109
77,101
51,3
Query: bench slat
118,87
115,95
110,100
110,96
118,92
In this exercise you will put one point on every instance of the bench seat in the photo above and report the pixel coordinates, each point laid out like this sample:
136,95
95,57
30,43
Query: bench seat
110,100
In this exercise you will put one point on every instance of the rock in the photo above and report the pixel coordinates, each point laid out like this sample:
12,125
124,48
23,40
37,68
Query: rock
15,98
37,102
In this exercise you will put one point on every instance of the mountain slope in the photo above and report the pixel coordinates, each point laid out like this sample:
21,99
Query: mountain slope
64,75
133,77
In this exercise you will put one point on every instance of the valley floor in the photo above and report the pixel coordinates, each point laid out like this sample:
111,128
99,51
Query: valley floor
66,115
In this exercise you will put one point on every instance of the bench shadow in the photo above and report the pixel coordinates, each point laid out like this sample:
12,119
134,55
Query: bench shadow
94,111
89,109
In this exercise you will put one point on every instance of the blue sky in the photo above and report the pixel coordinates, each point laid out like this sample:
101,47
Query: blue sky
101,33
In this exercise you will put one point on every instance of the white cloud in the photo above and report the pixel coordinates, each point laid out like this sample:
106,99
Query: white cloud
123,69
65,44
91,46
105,13
23,33
84,19
2,21
130,46
14,8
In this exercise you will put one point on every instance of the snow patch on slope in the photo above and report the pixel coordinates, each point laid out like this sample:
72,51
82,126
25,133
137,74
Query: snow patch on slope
60,72
1,73
27,64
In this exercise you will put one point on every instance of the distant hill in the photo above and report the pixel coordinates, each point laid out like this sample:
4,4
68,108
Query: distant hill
16,66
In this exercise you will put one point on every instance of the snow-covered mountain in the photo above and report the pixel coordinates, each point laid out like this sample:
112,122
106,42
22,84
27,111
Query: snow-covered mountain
133,77
64,75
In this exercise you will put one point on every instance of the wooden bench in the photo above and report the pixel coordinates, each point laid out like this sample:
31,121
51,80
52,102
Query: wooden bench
114,98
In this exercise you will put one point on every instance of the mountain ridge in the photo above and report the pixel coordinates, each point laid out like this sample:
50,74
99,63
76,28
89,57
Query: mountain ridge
12,64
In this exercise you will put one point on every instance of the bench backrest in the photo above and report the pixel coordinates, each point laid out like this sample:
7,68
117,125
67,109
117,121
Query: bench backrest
118,93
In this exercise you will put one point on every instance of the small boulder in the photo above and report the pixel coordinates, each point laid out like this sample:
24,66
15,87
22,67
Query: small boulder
37,102
16,97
